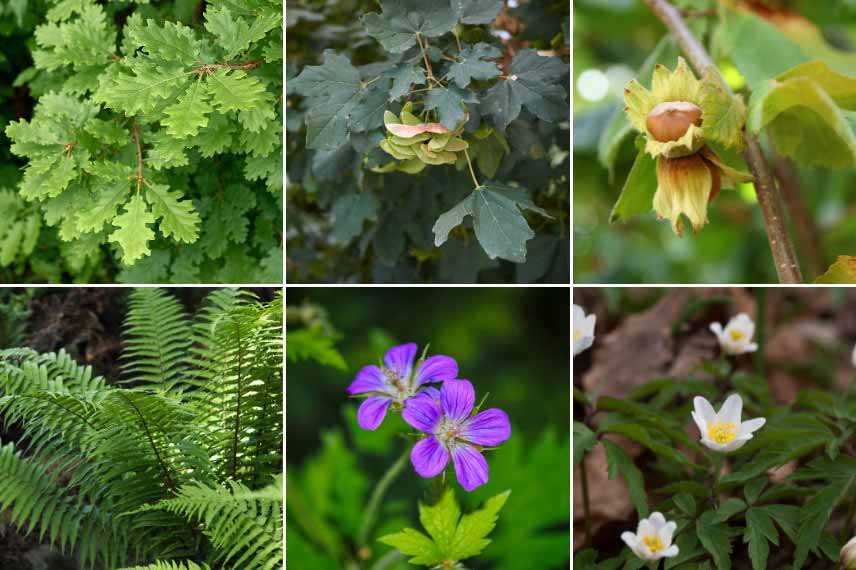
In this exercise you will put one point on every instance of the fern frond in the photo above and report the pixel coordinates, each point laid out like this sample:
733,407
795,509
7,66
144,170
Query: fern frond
33,499
239,386
157,340
245,526
171,565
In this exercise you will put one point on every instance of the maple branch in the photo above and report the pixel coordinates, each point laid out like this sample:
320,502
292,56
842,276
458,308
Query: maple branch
139,158
769,200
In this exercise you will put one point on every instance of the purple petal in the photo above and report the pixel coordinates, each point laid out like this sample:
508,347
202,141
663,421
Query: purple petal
368,379
431,391
399,359
372,411
488,428
422,411
429,457
470,467
457,398
436,369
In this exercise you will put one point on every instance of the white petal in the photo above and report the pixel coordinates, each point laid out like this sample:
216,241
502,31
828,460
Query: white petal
702,425
716,328
579,316
589,324
704,410
629,538
645,528
657,521
750,426
671,552
584,343
732,409
751,347
667,532
713,445
735,444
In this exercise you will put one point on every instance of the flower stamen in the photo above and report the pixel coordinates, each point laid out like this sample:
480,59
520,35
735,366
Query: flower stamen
653,542
722,432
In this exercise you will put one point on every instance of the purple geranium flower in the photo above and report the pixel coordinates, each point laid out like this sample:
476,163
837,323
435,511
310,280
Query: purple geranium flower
445,416
396,381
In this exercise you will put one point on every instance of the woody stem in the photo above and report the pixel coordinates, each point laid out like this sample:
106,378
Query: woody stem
425,57
472,172
769,198
139,158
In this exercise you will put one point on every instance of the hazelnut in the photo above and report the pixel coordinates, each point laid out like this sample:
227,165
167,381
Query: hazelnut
670,121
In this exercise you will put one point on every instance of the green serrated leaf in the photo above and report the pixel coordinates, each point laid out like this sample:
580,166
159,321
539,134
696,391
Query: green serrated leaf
449,102
179,218
477,11
234,33
234,90
618,461
534,82
584,440
133,233
189,113
716,538
843,271
396,26
803,121
474,62
452,537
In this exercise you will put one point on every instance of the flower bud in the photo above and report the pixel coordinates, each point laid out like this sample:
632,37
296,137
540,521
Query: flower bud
670,121
848,555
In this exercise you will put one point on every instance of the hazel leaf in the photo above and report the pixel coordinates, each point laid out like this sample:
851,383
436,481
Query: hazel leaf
803,121
638,191
841,272
723,114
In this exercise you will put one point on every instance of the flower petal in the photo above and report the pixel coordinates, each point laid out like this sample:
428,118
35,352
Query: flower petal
671,551
629,538
657,521
457,398
488,428
436,369
429,457
470,467
667,531
704,410
372,411
368,379
749,426
716,328
422,411
399,359
732,409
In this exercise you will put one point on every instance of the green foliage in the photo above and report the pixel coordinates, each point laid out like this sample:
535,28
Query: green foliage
745,500
798,82
842,271
124,476
365,200
156,144
451,536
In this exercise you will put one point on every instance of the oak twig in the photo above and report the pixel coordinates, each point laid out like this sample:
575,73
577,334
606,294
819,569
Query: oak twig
769,199
139,158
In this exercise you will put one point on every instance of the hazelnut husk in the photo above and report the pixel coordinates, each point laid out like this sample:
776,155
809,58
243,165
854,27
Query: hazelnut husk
670,121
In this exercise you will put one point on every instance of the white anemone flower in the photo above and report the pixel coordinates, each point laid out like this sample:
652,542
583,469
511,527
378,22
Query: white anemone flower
848,555
653,538
583,330
724,431
736,338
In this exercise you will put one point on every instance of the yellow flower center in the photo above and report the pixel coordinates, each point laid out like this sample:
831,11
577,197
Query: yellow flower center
721,432
578,334
736,335
653,542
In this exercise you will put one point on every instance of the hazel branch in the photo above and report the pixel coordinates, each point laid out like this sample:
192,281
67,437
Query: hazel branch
769,199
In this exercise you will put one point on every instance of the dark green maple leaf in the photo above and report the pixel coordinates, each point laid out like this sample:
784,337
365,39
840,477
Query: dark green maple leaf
449,102
339,102
499,225
477,11
400,20
475,63
404,75
534,82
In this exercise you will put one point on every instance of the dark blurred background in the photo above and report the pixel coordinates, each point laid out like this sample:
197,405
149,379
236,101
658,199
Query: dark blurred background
611,40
